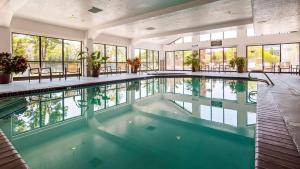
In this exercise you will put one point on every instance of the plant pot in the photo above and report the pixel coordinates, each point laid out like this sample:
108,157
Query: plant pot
5,78
134,70
95,73
240,69
193,69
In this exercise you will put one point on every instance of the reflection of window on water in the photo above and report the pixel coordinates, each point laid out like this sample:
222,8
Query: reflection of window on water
147,88
180,86
110,96
218,114
184,105
252,92
209,88
47,109
251,118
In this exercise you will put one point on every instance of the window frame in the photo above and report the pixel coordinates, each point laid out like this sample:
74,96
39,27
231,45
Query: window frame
39,53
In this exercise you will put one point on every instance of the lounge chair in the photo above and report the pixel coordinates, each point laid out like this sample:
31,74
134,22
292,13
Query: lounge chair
72,69
35,69
269,67
284,66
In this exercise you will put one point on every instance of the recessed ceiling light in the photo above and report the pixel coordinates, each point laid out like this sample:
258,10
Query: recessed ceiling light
150,28
95,10
264,21
72,17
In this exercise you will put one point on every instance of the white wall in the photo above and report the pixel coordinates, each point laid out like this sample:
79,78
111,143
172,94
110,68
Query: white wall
240,42
112,40
38,28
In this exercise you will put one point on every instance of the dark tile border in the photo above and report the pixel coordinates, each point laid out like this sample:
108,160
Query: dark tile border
9,157
274,146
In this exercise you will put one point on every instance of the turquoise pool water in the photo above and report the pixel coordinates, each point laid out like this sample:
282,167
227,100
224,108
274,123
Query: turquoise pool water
160,123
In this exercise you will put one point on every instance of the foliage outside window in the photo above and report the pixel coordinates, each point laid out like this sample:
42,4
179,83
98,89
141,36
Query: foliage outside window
268,57
217,58
117,56
149,58
46,51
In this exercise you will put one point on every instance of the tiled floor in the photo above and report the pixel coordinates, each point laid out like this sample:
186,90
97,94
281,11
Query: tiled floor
278,122
274,146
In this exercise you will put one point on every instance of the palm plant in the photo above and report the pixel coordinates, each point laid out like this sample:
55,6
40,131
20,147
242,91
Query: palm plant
94,61
193,60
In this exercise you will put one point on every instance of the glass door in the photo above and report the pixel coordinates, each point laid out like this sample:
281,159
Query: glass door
271,57
255,59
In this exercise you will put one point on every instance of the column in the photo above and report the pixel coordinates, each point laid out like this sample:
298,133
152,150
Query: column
5,40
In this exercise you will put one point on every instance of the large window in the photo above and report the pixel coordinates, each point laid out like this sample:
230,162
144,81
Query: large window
273,58
175,60
149,58
117,56
46,52
217,59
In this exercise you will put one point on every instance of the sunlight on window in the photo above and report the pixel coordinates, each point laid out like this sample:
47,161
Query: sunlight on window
251,118
205,37
230,34
187,39
250,32
217,36
178,41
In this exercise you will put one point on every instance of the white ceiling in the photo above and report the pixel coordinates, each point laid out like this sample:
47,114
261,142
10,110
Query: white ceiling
170,18
276,16
212,13
74,13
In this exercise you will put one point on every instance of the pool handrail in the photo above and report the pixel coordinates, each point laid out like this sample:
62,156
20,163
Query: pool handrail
262,80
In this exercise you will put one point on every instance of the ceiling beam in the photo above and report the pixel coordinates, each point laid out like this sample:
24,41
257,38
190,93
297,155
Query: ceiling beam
93,32
239,22
7,10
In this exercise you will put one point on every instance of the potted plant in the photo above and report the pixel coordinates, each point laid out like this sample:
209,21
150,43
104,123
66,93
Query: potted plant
11,64
135,64
94,61
193,60
239,62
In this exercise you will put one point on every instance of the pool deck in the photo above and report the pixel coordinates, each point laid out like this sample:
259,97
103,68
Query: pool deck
278,114
9,157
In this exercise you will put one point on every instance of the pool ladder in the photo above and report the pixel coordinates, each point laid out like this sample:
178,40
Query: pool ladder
269,81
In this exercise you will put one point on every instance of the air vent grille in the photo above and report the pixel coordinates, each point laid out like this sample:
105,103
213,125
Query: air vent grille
95,10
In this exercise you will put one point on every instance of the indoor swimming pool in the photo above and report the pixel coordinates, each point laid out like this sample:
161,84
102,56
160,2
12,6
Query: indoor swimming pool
155,123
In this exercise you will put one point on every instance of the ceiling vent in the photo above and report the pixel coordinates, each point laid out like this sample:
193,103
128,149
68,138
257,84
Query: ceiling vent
95,10
150,28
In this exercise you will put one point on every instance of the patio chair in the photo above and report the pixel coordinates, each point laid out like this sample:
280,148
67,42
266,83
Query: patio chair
35,69
227,67
295,69
269,66
111,70
72,69
204,67
284,66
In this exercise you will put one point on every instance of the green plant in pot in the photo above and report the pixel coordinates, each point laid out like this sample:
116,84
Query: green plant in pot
239,62
193,60
11,64
94,61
